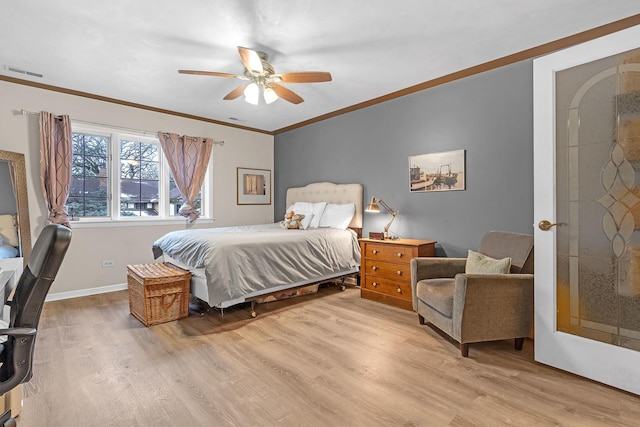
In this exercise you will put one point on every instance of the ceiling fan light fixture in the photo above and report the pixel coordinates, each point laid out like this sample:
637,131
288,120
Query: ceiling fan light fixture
259,76
270,95
251,94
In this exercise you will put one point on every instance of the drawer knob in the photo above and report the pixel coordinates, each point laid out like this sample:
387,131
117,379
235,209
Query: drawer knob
399,290
375,251
399,272
399,254
374,268
374,284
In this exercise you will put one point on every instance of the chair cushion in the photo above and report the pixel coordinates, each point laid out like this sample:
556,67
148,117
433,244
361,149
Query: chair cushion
478,263
437,294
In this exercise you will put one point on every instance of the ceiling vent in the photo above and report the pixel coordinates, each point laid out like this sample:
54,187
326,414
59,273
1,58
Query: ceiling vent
21,71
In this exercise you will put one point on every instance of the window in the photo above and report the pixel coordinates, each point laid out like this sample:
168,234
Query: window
139,178
89,194
123,176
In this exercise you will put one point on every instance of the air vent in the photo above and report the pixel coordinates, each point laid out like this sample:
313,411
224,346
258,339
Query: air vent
21,71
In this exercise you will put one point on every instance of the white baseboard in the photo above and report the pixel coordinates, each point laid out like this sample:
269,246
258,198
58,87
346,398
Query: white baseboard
86,292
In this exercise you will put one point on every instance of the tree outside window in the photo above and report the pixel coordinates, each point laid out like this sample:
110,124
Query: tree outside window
139,178
89,192
118,176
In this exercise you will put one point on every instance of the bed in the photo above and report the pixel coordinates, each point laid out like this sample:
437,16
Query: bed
231,265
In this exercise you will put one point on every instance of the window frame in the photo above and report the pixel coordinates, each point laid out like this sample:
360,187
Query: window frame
116,135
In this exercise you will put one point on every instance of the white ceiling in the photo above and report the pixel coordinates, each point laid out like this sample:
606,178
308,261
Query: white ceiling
131,50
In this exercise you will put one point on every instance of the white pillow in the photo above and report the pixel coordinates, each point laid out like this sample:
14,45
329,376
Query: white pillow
338,216
316,208
8,230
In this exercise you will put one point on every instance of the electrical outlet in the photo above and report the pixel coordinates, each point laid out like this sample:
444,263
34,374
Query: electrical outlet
107,263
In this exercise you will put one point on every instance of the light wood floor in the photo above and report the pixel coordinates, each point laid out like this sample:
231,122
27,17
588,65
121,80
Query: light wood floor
331,359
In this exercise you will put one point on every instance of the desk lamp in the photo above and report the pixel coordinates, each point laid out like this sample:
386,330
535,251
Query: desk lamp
374,208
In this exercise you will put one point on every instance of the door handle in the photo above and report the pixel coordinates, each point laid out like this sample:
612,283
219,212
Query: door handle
546,225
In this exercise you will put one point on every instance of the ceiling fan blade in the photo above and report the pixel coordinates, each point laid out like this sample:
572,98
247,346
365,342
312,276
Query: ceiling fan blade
206,73
305,77
251,60
236,92
286,94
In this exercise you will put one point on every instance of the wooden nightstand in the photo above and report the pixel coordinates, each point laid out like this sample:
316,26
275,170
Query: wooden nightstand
386,270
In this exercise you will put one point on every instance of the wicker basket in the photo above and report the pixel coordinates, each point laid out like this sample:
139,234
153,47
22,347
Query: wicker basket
158,293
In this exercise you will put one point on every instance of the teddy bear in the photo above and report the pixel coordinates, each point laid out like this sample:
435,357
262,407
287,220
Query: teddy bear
287,219
292,221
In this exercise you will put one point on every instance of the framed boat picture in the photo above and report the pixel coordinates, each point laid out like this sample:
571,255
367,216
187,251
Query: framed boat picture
437,172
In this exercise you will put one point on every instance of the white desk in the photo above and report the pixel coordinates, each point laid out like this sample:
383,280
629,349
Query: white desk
10,272
6,282
6,285
5,275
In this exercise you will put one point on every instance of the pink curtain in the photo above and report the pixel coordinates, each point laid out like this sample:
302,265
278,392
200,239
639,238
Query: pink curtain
55,164
188,158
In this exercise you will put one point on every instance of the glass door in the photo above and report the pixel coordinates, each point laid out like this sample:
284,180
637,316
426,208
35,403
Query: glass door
587,204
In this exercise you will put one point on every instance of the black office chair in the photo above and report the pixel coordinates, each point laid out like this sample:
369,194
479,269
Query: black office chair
16,353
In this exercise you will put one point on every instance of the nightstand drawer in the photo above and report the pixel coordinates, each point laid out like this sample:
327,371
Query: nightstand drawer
389,287
401,254
388,270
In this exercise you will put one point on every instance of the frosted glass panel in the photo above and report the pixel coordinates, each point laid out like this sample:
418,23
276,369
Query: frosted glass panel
598,200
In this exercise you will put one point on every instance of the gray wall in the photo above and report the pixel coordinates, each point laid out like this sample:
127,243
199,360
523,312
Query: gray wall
490,115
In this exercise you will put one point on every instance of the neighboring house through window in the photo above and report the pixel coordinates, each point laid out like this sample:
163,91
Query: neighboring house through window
119,175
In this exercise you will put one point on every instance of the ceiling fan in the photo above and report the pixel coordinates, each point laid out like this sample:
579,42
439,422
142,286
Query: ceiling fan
261,77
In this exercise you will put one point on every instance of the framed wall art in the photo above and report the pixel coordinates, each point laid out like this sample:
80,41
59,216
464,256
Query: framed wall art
254,186
437,172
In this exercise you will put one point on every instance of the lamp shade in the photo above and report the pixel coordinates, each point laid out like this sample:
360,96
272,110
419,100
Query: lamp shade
270,95
251,94
373,206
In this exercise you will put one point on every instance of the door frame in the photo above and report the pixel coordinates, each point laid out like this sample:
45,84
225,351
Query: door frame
609,364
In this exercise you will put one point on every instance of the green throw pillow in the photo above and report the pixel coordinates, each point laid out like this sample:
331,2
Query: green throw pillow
482,264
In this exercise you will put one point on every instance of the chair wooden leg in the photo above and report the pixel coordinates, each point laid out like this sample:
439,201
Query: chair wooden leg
518,343
421,319
464,349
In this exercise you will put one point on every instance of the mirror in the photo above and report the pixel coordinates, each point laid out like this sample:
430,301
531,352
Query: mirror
14,197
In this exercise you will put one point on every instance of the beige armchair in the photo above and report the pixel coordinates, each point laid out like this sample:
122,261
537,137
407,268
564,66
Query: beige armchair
478,307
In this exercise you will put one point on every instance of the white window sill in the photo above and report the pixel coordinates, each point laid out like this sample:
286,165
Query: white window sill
99,223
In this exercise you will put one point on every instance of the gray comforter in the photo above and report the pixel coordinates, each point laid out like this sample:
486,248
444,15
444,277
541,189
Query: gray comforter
245,259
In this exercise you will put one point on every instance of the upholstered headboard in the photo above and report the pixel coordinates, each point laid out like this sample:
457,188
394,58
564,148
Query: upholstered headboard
330,193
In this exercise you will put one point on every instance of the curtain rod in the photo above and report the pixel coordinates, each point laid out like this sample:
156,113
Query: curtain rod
30,113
